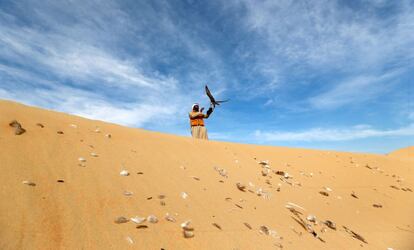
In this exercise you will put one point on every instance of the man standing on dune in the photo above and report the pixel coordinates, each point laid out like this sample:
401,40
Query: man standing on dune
198,130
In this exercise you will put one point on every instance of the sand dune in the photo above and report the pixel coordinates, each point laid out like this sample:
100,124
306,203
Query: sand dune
51,199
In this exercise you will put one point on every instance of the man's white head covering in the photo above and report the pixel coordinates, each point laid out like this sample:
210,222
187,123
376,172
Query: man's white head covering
195,104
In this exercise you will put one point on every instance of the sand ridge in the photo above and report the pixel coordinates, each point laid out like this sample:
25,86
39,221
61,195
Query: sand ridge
63,187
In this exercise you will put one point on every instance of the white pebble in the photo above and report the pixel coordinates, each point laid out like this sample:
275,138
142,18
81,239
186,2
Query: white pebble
184,195
138,220
124,173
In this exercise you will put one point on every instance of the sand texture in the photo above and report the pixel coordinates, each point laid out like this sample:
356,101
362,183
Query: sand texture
73,183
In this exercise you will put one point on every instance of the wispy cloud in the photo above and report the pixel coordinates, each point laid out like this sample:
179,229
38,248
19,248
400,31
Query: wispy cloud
354,91
64,53
326,134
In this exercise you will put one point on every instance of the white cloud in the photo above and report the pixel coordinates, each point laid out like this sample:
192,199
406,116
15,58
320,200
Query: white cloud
324,134
302,40
68,59
353,91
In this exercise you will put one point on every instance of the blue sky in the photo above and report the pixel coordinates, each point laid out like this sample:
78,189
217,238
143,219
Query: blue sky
316,74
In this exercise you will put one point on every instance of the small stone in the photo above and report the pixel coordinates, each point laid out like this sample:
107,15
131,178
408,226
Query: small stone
129,240
73,125
142,226
60,132
188,234
264,230
278,172
128,193
330,224
94,155
353,194
121,219
60,180
29,183
161,196
195,178
311,218
264,163
152,219
184,195
81,159
124,173
40,125
247,225
324,193
377,205
216,225
18,127
109,136
186,225
241,187
138,220
169,218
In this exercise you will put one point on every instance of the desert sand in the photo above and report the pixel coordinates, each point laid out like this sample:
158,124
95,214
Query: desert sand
67,181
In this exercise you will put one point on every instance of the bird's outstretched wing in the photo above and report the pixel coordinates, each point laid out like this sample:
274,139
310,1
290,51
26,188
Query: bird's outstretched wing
212,100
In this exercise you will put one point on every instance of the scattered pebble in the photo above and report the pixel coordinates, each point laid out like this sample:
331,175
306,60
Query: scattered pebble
94,155
221,171
140,173
216,225
18,127
128,193
247,225
377,205
121,219
311,218
129,240
152,219
264,163
353,194
142,226
169,218
355,235
81,159
124,173
73,125
330,224
109,136
60,180
187,230
186,225
60,132
184,195
195,178
29,183
188,234
40,125
161,196
264,230
138,220
241,187
324,193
